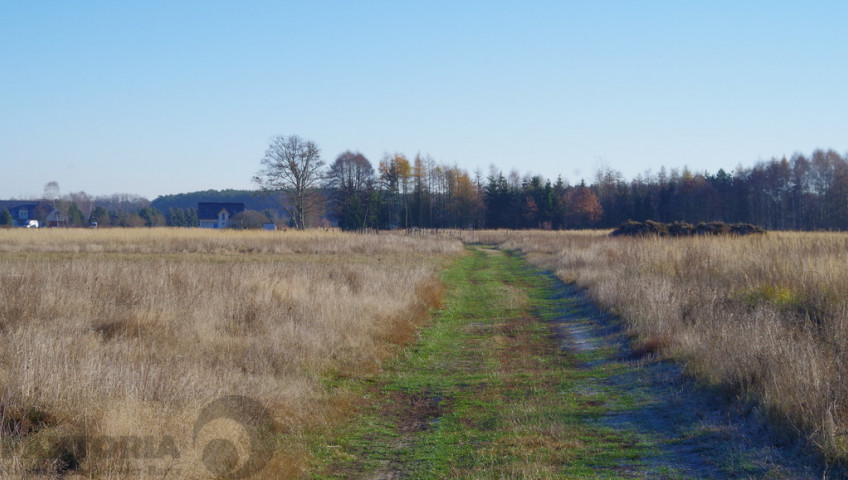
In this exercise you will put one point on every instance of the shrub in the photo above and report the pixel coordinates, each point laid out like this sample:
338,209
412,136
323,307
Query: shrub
680,229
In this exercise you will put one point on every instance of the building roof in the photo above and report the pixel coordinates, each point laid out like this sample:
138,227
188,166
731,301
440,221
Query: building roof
10,204
210,210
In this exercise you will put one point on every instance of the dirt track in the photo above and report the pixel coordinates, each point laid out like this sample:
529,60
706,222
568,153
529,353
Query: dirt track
696,432
521,376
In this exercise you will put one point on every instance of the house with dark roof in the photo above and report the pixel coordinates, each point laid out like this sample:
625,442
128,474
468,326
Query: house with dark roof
217,215
22,211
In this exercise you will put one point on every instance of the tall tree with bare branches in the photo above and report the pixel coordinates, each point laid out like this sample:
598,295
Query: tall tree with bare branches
351,179
292,166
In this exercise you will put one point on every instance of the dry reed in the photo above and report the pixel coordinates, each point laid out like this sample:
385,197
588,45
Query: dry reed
129,333
765,317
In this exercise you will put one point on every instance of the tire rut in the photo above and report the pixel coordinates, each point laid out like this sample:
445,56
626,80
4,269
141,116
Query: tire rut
699,435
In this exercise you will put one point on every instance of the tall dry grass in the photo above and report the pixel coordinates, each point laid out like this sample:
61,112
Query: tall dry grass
765,317
128,334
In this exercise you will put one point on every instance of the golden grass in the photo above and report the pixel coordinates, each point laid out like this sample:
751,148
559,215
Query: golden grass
764,316
110,334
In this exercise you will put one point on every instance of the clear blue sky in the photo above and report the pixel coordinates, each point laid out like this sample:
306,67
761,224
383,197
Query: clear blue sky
166,97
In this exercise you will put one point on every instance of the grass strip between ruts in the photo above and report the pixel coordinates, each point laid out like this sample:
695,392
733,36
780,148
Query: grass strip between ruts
485,393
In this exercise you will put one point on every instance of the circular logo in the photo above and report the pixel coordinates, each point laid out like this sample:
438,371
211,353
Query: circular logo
220,455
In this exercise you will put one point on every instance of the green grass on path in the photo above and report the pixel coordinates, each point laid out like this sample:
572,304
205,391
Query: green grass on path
488,392
485,393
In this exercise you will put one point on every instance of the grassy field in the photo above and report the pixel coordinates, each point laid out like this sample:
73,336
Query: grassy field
765,318
117,343
113,341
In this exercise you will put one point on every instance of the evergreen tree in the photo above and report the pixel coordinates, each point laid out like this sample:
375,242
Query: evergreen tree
100,216
191,217
75,216
176,217
6,217
151,216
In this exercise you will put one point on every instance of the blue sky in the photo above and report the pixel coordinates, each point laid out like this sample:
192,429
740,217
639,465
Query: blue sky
166,97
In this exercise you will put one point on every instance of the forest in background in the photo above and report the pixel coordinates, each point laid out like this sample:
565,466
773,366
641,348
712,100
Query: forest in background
804,192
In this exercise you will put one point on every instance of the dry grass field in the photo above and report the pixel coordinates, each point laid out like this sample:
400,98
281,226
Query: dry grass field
763,317
114,340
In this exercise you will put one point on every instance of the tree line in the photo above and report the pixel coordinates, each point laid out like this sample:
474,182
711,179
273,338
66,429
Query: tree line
415,193
297,187
79,209
127,210
188,201
798,193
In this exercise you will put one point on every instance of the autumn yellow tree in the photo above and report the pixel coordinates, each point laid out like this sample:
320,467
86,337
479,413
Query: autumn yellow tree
582,207
395,172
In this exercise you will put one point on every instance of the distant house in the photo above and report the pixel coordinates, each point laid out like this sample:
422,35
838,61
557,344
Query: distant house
22,212
217,215
57,219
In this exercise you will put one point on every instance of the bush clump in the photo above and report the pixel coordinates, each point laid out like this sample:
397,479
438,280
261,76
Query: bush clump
632,228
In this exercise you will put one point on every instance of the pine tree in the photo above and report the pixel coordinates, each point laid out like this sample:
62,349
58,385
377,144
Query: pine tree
176,217
6,217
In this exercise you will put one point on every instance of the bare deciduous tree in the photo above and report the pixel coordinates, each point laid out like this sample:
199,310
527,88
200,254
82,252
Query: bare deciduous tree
350,173
51,191
292,166
351,178
84,202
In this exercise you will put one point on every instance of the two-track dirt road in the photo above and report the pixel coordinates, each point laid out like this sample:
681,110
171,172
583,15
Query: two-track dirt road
520,376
